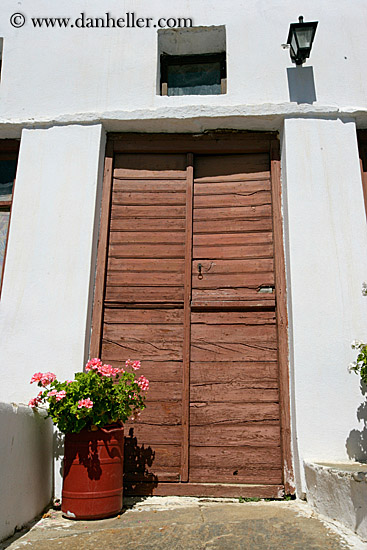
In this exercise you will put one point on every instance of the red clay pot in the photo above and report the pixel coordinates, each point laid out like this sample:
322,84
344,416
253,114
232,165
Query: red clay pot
93,468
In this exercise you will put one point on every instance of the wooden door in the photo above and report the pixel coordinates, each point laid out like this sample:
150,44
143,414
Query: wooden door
189,292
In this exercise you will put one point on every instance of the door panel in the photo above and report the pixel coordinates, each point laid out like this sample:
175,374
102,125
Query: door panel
143,305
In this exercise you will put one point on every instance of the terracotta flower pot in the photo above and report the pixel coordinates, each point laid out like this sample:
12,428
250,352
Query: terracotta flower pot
93,469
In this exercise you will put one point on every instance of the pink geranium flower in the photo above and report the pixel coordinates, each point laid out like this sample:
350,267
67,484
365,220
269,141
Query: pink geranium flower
136,365
36,377
36,400
143,383
85,403
44,378
52,393
93,364
47,378
60,395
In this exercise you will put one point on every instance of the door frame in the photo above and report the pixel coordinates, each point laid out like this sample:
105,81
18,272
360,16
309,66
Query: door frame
208,143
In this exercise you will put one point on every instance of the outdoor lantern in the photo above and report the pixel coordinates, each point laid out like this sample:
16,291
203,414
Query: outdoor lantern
300,39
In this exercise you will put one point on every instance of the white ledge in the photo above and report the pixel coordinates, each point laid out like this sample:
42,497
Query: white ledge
189,118
339,491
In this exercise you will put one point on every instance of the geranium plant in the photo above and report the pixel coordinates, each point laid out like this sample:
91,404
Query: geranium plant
360,365
100,396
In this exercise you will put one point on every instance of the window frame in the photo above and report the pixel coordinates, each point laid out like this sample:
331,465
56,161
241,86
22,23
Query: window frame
168,60
9,150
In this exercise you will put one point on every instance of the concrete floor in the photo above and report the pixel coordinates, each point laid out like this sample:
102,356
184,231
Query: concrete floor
174,523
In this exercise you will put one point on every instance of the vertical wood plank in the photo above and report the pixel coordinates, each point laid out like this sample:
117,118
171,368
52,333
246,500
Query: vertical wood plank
282,317
99,289
187,322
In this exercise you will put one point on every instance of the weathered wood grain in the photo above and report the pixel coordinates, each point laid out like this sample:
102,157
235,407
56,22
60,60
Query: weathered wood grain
218,252
143,316
161,413
235,294
235,333
235,392
228,372
146,265
122,279
161,237
236,475
242,280
233,225
144,294
158,199
230,239
151,351
252,185
147,211
147,224
252,351
233,317
227,267
150,166
226,213
144,332
207,413
230,457
126,185
151,250
264,434
255,198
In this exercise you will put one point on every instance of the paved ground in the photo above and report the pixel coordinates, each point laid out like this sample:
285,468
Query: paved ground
174,523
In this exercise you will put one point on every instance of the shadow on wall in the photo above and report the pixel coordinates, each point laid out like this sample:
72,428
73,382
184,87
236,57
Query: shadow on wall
356,443
301,84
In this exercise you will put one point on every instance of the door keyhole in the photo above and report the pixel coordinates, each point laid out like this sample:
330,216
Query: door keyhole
200,275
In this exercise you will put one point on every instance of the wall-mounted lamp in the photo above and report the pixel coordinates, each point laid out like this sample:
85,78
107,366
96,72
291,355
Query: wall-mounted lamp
300,38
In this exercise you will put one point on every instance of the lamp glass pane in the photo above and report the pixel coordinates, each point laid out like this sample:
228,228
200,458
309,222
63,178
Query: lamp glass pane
294,44
304,37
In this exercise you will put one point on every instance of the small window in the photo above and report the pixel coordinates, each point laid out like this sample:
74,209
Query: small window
193,74
8,167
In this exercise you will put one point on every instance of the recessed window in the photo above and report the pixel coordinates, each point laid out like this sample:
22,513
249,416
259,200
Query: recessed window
193,74
192,61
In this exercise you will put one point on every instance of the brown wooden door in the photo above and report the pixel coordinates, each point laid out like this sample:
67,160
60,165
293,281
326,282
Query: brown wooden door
206,334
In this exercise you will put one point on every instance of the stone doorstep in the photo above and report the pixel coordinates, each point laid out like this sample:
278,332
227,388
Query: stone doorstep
339,491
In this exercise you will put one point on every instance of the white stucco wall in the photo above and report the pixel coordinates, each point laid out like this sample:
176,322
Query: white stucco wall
46,294
45,307
26,482
326,264
81,73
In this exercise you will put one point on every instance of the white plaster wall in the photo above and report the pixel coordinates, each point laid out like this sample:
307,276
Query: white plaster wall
26,469
48,72
326,264
46,294
46,299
